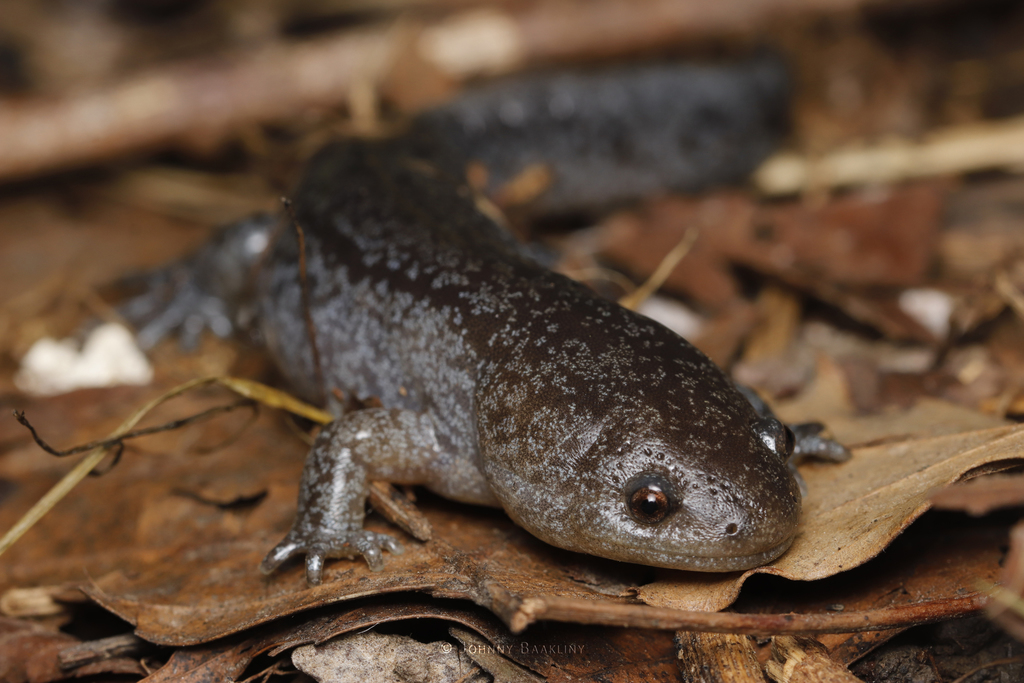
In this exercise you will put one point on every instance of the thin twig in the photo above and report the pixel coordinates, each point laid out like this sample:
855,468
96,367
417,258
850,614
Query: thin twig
247,388
633,300
955,150
120,439
82,469
202,99
304,287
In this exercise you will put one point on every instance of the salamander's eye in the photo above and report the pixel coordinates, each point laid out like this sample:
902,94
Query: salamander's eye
648,500
776,436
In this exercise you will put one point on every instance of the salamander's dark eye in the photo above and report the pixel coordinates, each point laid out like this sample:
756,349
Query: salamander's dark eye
776,436
648,501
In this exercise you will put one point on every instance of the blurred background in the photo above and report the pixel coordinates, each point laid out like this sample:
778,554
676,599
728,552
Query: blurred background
861,202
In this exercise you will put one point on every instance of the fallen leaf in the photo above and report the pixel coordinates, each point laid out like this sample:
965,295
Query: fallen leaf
29,654
981,496
492,661
854,510
827,400
188,574
562,652
848,241
163,494
379,658
937,563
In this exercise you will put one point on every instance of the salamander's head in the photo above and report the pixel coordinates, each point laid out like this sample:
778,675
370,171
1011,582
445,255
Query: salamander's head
706,491
684,505
615,437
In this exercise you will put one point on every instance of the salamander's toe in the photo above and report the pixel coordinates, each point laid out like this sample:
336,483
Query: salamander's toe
812,441
367,544
314,569
279,555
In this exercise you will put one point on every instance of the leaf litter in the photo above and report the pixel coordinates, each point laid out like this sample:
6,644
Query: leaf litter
182,568
177,537
853,511
174,547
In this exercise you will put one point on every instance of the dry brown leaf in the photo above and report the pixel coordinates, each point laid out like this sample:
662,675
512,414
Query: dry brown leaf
981,496
187,535
827,400
488,560
29,654
163,493
941,559
850,241
854,510
568,653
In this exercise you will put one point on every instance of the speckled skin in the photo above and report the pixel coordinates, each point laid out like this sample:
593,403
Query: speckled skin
503,383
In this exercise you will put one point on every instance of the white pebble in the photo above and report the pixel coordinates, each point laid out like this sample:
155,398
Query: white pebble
930,307
109,357
677,317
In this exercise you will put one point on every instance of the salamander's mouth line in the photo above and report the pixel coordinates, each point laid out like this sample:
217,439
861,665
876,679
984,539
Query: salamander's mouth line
719,563
757,559
741,562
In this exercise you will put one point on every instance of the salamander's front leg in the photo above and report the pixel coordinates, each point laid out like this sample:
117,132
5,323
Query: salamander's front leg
373,444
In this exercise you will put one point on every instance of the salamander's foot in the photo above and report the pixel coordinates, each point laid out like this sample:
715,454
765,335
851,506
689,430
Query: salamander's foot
208,290
349,544
174,303
811,441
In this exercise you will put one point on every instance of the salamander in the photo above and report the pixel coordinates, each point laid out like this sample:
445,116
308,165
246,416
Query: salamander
501,382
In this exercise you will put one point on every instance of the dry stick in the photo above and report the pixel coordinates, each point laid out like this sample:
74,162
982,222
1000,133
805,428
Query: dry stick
247,388
494,39
954,150
200,100
804,660
717,657
92,651
556,608
635,298
120,439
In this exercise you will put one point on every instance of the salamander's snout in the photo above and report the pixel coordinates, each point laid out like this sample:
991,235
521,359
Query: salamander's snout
734,523
758,528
